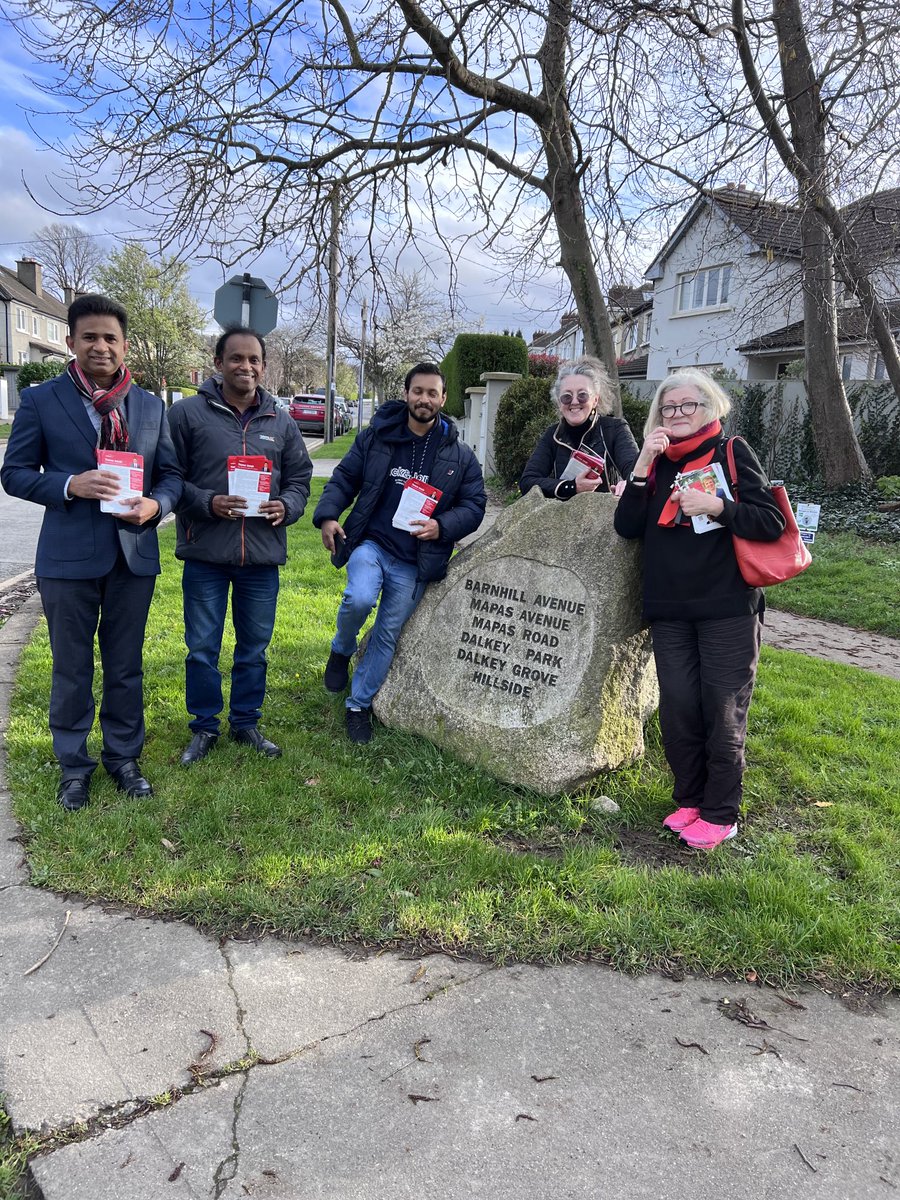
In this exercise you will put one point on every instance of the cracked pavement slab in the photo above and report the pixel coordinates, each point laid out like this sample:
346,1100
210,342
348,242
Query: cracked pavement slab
532,1083
117,1012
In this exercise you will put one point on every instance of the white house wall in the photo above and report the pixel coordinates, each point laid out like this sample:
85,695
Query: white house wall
763,296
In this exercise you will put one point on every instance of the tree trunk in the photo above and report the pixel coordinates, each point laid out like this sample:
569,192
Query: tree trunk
837,447
564,193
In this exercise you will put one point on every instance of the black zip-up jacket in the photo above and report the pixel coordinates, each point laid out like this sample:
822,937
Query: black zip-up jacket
607,437
205,432
692,576
363,471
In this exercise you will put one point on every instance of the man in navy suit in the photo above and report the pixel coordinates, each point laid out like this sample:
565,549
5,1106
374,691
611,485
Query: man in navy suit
95,571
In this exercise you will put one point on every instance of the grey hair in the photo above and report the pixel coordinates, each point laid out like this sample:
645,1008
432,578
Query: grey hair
594,370
712,395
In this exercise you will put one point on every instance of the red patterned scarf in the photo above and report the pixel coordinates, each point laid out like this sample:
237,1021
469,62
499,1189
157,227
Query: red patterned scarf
106,402
680,448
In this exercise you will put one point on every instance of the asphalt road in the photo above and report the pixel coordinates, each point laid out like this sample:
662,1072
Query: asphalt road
20,524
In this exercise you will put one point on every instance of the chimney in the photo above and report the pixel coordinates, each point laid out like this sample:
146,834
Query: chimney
28,271
68,295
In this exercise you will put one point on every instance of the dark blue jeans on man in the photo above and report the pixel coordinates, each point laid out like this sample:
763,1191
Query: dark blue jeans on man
254,594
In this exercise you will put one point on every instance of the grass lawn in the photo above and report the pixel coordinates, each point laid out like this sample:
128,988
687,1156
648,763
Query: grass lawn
852,581
336,449
396,843
5,430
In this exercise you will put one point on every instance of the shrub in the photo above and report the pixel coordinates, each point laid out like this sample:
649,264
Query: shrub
889,486
524,412
474,353
635,411
543,366
38,372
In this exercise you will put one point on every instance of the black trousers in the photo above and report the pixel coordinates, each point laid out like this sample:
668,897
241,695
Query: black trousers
706,674
115,607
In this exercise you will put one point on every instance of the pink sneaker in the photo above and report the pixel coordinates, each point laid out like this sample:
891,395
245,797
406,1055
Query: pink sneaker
681,818
703,835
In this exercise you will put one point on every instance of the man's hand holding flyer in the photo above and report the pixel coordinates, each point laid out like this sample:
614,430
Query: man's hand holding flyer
129,468
250,478
417,500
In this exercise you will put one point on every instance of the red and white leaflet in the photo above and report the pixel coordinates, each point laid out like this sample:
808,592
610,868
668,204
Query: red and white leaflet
417,502
583,463
129,469
251,478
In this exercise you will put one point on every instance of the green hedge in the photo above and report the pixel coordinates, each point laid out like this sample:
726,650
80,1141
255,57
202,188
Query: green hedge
38,372
524,412
474,353
635,411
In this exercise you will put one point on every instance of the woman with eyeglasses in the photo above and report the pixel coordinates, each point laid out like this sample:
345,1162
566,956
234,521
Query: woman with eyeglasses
583,394
704,619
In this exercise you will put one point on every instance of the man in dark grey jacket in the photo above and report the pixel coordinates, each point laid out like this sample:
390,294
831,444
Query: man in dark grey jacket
222,548
409,449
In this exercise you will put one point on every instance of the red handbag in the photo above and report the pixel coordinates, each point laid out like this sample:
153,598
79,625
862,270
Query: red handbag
765,563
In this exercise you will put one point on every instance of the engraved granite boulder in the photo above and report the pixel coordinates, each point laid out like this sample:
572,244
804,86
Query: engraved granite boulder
529,658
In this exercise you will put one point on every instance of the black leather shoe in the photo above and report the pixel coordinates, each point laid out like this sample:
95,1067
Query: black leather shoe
128,779
337,672
201,744
252,737
72,794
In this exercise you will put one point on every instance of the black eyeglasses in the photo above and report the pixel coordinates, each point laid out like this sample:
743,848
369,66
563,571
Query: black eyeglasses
688,408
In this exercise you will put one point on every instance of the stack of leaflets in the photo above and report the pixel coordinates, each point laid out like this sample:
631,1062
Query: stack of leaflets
251,478
705,479
417,502
129,468
584,463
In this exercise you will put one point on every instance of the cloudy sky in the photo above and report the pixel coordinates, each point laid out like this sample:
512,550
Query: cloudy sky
25,166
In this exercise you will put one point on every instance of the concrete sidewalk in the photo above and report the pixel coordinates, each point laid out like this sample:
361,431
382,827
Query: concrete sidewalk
192,1067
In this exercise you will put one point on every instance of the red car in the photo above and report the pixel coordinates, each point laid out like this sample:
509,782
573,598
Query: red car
309,413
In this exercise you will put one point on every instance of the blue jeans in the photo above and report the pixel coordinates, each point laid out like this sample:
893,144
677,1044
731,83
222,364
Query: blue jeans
254,593
371,570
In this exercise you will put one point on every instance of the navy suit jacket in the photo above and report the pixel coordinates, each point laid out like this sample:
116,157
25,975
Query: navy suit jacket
52,438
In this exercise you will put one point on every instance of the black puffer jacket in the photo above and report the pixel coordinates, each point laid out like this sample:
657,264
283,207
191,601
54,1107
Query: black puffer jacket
607,437
205,431
362,472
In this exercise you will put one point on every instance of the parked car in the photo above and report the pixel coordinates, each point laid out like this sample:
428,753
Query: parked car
342,416
309,412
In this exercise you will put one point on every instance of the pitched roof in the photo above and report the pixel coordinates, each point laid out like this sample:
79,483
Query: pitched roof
767,223
634,368
629,301
12,288
874,222
852,327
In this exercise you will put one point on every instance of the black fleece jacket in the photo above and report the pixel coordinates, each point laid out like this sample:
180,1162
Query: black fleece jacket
363,471
607,437
692,576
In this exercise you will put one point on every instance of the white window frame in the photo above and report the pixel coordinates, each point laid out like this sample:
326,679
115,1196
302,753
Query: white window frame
23,357
878,369
630,340
703,290
21,320
846,367
53,332
35,325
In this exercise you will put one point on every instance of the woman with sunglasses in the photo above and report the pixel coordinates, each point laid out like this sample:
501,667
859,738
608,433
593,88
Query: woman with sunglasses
583,393
704,618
